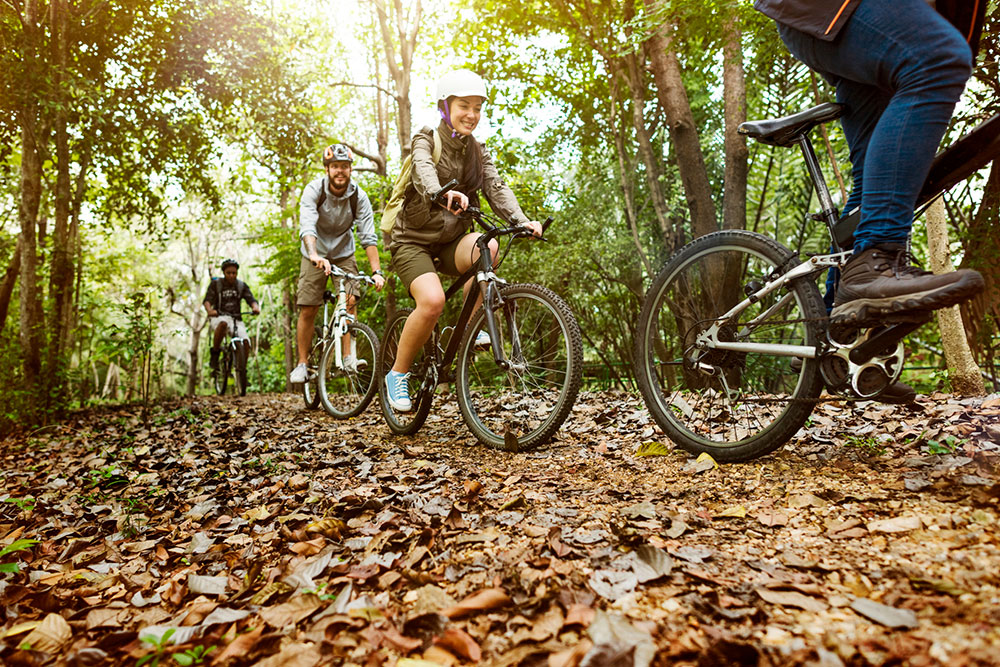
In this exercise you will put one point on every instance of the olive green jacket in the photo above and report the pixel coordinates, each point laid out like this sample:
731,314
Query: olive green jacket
423,223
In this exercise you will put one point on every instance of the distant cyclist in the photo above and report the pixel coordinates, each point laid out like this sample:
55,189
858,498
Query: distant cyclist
330,209
222,301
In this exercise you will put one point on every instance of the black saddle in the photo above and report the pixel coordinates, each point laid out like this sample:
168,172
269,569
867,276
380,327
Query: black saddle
786,131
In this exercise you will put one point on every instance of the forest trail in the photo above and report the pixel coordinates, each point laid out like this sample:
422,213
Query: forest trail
261,533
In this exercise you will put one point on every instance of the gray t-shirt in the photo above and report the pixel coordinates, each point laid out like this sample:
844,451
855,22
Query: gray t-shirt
332,224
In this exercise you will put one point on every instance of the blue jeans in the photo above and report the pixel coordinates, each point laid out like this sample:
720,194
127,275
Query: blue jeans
899,67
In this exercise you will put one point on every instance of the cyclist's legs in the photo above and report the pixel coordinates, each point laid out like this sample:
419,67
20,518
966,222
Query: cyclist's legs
920,60
223,325
466,254
429,295
312,283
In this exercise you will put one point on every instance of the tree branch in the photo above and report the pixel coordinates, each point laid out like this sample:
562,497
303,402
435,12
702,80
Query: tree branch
364,85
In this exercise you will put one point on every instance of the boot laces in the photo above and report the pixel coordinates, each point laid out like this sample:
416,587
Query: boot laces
903,262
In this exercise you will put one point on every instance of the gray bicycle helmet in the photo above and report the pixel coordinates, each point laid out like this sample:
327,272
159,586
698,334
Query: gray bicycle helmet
337,153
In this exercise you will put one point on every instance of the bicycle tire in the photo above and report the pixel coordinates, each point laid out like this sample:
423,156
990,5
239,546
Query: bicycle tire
521,407
422,382
346,394
686,297
310,388
221,376
240,370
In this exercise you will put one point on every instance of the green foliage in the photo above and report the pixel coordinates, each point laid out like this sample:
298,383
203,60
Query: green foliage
14,547
866,445
949,444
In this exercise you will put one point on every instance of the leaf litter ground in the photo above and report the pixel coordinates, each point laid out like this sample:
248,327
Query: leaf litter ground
250,531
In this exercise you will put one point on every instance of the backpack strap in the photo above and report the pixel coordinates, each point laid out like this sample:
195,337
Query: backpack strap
353,200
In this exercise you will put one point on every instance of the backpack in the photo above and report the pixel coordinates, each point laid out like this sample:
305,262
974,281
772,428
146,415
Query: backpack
353,200
401,187
218,293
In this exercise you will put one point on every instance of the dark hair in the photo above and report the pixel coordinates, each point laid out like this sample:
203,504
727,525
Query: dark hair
472,173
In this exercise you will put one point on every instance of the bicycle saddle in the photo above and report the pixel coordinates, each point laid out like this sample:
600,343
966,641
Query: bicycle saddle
785,131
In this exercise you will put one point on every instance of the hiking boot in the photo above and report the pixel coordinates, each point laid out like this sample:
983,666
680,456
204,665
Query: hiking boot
299,374
213,360
897,393
880,283
397,390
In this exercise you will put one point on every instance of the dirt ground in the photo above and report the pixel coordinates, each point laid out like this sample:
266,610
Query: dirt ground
250,531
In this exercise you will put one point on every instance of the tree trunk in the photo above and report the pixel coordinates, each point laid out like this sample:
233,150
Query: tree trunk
624,180
61,267
674,100
31,190
966,379
288,301
734,194
982,253
9,280
194,367
400,64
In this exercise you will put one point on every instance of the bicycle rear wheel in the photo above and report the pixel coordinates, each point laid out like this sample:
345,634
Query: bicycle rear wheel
734,405
347,392
310,388
220,377
522,406
423,378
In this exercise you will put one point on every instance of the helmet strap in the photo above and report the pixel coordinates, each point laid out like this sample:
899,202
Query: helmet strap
445,112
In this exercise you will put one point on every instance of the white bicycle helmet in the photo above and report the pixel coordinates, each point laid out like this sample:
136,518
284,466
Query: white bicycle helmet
461,83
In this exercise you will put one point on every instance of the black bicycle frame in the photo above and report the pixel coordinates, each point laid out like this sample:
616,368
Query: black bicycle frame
484,266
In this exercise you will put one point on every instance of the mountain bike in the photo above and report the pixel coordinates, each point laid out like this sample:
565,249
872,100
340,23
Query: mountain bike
513,393
342,378
232,362
734,346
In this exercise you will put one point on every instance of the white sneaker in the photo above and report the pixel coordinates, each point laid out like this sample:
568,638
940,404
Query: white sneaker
483,341
352,365
298,374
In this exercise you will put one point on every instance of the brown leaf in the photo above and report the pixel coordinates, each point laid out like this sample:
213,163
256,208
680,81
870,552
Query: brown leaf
571,657
460,643
310,548
50,635
291,612
331,528
240,646
294,655
490,598
556,544
792,599
579,615
772,518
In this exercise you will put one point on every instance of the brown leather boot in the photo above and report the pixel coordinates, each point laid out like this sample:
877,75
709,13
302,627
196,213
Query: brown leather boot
881,282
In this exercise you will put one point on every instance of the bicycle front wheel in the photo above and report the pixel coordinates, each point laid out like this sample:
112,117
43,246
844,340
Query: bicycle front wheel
346,392
423,378
220,376
240,369
522,405
310,388
735,405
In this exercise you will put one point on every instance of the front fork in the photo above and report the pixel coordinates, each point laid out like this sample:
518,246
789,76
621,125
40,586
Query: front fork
489,285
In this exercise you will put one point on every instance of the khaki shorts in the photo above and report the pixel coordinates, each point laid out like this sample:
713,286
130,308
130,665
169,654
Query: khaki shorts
312,281
410,260
236,327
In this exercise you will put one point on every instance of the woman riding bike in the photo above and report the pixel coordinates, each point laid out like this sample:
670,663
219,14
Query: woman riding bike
425,231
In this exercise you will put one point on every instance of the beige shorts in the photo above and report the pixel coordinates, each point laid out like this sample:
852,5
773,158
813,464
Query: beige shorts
236,327
312,281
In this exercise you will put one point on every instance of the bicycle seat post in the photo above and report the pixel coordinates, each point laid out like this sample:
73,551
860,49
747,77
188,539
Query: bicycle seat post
830,215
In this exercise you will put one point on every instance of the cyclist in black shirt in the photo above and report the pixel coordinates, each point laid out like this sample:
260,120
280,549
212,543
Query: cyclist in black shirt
222,301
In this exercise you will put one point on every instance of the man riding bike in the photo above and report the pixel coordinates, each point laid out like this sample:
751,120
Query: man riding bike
330,209
899,67
222,301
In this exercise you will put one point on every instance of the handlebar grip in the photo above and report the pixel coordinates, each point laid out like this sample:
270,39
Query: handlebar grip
545,225
450,185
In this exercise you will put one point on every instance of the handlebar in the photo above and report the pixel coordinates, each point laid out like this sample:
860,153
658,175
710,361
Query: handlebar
337,271
493,230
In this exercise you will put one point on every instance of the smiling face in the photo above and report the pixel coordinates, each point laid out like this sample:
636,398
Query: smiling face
339,172
465,113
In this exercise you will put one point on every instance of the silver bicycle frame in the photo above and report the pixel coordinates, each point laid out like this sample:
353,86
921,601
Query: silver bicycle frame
709,339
